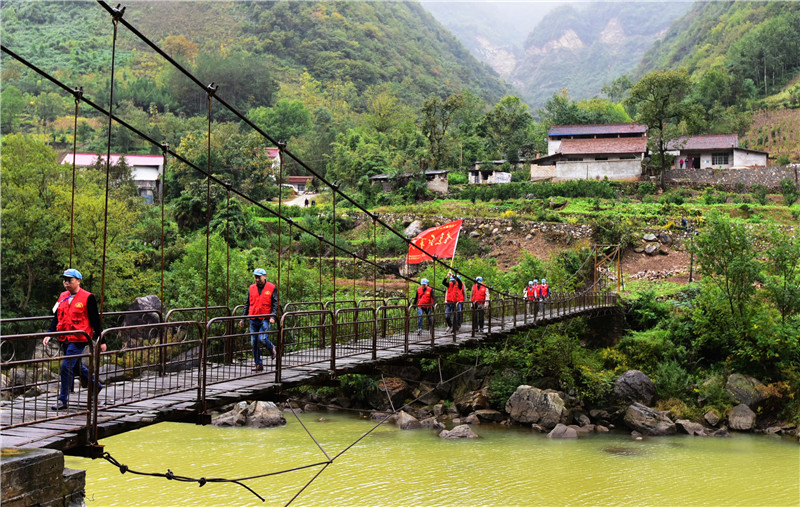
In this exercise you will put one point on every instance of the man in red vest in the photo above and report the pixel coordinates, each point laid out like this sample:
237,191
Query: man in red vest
75,310
262,306
424,301
454,286
480,296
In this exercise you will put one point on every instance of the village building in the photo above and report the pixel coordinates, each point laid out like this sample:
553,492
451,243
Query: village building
489,173
145,169
714,151
581,152
435,181
300,184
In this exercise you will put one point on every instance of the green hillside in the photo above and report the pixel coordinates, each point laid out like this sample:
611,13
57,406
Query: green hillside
756,41
363,43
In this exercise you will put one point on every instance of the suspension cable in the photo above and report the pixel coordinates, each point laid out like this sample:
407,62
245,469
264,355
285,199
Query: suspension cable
77,93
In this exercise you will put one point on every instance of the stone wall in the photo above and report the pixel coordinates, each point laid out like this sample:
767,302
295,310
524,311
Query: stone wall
38,477
597,170
769,177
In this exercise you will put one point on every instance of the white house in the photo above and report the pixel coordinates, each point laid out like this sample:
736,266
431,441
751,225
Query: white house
714,151
146,170
614,151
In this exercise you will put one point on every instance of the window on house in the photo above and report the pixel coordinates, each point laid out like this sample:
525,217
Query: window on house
574,159
627,157
601,158
719,159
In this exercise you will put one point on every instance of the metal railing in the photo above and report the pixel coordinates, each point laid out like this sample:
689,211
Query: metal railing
147,361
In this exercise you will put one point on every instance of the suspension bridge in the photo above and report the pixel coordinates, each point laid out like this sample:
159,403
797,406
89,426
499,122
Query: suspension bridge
186,362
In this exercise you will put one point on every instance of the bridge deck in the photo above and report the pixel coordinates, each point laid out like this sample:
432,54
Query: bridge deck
226,383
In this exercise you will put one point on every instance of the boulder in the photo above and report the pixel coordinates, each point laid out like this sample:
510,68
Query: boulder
648,421
393,388
634,386
744,389
664,238
489,415
741,418
406,421
184,361
234,417
691,428
431,422
722,432
413,230
149,311
472,401
461,431
562,431
651,248
471,419
427,393
650,237
531,405
111,372
264,414
382,416
711,418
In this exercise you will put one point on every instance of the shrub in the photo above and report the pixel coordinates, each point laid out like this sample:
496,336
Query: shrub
645,311
457,178
646,349
789,191
502,385
760,194
645,188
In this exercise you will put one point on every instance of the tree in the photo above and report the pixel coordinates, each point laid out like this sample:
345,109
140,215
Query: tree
437,115
783,272
618,90
13,103
286,120
660,100
506,127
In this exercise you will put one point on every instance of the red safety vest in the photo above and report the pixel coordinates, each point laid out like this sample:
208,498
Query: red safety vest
478,293
72,316
460,293
452,292
544,290
424,297
261,304
530,292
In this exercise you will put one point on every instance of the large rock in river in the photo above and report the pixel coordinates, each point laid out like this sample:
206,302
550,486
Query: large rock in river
741,418
461,431
258,414
634,386
648,421
530,405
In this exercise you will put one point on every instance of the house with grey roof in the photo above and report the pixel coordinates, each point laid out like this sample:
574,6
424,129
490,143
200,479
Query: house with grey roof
574,152
714,151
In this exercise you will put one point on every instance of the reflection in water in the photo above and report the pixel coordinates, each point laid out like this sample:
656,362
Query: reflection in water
507,466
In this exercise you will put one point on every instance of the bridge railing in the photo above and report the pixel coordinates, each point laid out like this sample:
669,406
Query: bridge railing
159,359
393,323
299,306
306,337
25,349
373,302
197,314
31,385
355,332
229,347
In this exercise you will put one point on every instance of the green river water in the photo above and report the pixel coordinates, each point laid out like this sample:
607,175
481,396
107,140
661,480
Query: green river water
507,466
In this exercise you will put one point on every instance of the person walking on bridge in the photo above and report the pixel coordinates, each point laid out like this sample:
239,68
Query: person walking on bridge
454,286
424,301
262,301
479,298
530,293
75,310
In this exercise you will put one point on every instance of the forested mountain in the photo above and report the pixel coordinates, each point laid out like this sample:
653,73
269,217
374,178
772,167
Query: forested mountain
756,41
363,43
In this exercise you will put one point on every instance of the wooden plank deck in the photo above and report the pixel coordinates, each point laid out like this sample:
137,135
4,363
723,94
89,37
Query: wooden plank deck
227,383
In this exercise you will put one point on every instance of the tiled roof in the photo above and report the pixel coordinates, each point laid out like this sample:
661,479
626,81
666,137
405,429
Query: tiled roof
299,179
604,128
613,145
706,142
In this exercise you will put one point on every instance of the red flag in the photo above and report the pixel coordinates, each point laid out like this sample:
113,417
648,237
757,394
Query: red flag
439,241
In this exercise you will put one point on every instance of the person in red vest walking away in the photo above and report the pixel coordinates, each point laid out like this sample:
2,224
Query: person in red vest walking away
453,285
75,310
262,306
424,300
479,298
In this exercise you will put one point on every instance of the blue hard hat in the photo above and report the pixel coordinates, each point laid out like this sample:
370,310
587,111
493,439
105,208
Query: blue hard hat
535,280
479,279
424,281
259,272
72,273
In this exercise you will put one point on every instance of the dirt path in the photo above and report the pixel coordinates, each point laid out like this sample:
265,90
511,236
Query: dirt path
300,200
